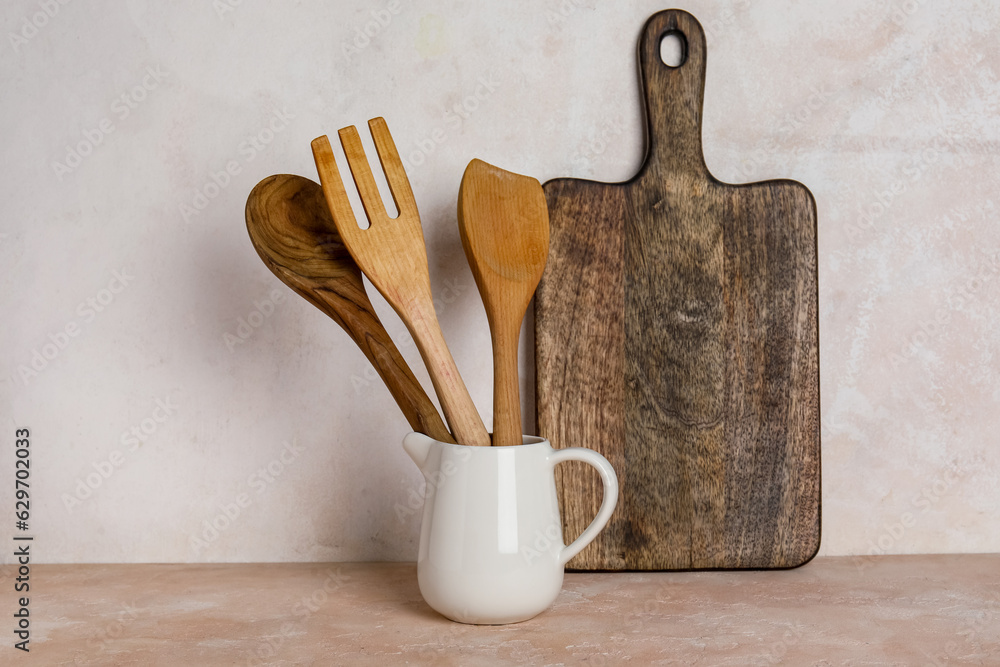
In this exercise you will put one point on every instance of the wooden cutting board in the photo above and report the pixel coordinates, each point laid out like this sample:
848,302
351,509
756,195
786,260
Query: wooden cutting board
676,333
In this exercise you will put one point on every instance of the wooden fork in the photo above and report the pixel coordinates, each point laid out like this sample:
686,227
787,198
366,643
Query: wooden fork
391,252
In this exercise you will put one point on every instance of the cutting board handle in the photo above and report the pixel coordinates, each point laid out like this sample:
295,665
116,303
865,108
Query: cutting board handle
673,95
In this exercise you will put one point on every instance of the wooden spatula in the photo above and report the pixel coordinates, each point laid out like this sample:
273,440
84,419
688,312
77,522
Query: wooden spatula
290,227
504,224
392,254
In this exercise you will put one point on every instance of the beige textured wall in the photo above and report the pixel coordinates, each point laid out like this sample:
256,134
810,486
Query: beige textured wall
888,112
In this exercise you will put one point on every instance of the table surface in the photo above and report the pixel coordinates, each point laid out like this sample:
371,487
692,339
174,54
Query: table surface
887,610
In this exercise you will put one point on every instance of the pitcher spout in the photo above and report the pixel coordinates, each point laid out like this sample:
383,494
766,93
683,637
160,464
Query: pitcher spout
418,446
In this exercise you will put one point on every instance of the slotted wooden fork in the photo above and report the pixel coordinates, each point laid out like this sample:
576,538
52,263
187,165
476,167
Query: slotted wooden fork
391,252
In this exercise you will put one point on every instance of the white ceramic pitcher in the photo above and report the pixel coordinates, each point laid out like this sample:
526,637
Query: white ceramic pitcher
491,548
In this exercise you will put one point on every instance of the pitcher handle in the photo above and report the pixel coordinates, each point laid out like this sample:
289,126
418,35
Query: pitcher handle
608,503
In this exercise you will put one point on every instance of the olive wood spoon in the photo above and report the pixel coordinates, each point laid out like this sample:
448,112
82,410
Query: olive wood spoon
291,229
504,223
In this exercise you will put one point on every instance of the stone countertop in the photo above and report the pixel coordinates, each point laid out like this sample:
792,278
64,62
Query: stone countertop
890,610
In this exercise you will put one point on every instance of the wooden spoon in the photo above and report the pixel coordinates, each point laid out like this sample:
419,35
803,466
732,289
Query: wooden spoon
291,229
504,223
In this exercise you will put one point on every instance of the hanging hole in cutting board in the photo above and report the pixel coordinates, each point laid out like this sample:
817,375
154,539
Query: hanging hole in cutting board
673,49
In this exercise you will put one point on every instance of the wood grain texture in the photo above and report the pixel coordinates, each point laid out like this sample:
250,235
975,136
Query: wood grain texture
504,224
392,254
291,229
676,333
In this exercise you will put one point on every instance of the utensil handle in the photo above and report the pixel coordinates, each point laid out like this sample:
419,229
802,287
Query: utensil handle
608,503
363,326
673,95
506,390
456,403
